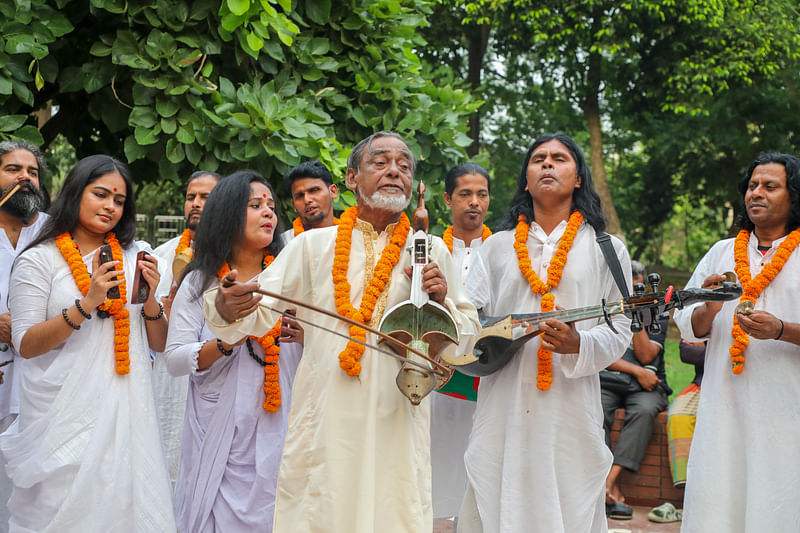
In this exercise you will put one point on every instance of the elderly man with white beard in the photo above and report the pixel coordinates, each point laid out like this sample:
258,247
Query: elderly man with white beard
357,453
20,220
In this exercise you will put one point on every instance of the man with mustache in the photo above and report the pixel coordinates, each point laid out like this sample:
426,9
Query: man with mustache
170,392
537,459
357,452
744,467
467,195
20,222
312,191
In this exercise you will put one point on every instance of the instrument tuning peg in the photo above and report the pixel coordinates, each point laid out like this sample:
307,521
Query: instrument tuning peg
654,279
654,327
638,289
636,323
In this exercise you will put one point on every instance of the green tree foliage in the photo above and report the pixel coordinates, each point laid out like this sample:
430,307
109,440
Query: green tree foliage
176,85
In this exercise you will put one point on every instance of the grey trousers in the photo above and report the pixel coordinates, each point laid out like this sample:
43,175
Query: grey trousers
641,409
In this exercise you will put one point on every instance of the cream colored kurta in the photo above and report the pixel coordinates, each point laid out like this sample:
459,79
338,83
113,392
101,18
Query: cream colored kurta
537,460
170,391
357,453
744,464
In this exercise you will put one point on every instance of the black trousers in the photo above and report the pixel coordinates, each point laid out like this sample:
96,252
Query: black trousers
641,409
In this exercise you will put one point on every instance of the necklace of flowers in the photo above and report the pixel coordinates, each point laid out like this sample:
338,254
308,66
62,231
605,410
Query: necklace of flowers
348,359
114,307
186,240
752,287
447,236
544,376
297,224
272,351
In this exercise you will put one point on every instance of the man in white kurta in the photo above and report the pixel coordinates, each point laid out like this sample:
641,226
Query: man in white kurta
537,460
744,465
357,452
467,196
20,222
170,391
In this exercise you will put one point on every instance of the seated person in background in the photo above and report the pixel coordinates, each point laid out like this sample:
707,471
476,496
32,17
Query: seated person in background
683,412
643,399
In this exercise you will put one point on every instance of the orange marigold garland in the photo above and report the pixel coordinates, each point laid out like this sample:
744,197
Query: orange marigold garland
545,370
272,351
186,240
297,224
116,307
752,287
447,236
348,359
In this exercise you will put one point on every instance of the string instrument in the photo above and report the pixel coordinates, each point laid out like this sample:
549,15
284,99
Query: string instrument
10,192
419,322
180,262
502,337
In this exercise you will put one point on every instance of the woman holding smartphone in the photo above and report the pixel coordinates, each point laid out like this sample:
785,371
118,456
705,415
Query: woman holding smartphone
85,453
238,400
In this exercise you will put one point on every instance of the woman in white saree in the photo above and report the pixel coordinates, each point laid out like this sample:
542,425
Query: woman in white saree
238,400
85,452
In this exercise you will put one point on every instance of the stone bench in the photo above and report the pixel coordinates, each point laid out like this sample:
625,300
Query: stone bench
652,485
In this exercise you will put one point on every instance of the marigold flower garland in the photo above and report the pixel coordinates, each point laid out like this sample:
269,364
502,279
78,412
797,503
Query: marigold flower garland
752,287
116,307
272,351
186,240
297,224
545,370
348,359
447,236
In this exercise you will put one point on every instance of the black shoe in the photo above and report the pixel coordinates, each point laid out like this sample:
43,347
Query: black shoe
619,511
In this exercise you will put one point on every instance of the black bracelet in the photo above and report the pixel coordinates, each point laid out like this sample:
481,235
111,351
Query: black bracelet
68,321
780,333
159,315
86,315
222,350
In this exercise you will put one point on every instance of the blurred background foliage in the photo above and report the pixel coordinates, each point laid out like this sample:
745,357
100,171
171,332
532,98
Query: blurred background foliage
670,100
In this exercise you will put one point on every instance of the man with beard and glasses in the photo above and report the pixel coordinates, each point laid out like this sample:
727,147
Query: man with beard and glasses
357,452
312,191
170,392
20,221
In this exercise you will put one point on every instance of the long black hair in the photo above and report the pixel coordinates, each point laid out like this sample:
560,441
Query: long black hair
584,198
792,166
463,169
65,211
222,225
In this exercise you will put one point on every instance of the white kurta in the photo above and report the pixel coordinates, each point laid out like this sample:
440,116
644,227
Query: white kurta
744,464
357,454
170,391
85,453
9,400
539,457
451,422
231,446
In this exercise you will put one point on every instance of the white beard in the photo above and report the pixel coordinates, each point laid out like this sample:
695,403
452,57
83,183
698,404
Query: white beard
393,204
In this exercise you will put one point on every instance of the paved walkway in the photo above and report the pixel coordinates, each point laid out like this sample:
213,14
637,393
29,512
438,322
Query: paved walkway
639,524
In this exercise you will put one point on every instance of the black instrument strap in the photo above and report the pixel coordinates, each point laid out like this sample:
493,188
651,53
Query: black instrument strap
604,240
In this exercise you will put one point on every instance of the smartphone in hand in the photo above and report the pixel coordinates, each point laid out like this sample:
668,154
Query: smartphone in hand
141,289
105,257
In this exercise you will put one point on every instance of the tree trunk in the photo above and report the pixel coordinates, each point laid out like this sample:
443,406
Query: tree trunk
478,37
591,111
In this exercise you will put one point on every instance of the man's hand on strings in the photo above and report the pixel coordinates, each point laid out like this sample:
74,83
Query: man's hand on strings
433,282
559,337
238,300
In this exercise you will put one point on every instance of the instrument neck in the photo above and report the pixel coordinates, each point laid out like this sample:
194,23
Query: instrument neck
571,315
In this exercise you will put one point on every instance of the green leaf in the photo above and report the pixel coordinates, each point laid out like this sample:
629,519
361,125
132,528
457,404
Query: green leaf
30,134
318,11
174,151
11,122
239,120
293,127
143,116
254,41
6,87
227,90
238,7
20,43
193,153
145,136
69,80
169,125
184,135
100,49
133,150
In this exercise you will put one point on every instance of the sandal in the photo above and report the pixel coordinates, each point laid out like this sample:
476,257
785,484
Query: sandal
619,511
665,512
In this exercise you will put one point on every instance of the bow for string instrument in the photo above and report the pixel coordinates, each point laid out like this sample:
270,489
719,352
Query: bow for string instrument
419,322
502,337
